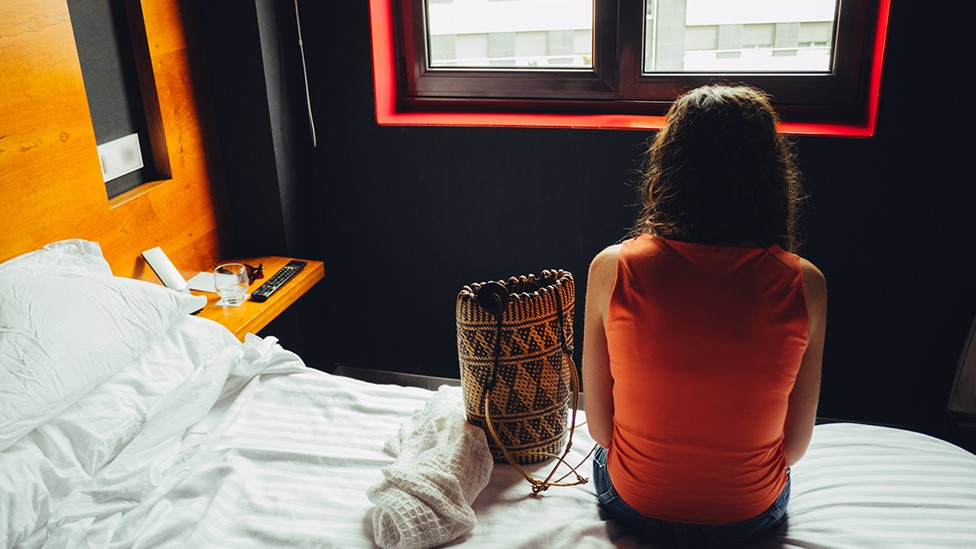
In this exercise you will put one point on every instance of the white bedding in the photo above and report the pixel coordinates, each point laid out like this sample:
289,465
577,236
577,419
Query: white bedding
205,442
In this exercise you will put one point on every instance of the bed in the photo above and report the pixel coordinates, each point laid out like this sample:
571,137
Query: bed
125,421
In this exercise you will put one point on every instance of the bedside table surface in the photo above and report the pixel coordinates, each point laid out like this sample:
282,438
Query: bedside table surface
252,317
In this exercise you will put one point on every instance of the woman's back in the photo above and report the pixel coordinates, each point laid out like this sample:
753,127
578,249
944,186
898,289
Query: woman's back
701,358
704,344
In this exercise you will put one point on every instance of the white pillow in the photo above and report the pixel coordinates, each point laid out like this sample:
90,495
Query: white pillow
66,324
74,255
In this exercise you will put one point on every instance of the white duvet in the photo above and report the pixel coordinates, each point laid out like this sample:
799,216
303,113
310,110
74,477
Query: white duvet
69,481
205,442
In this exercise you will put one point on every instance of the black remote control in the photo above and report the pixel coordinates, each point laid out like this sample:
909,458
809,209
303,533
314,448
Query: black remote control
277,280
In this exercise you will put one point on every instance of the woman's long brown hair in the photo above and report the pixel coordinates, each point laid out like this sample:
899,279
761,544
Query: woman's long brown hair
720,173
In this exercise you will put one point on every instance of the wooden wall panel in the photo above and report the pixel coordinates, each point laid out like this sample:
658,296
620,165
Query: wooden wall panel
50,181
164,24
48,160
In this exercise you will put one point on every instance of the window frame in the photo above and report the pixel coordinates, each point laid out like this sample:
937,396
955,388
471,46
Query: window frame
612,95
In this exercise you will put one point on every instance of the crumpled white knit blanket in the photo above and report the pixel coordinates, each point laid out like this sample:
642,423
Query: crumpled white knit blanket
442,464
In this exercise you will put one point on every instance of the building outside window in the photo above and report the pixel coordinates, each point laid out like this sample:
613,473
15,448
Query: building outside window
679,35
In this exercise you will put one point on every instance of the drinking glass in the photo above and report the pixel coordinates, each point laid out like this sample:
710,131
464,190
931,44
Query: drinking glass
230,280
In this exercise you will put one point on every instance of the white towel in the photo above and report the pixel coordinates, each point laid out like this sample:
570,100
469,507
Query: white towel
442,464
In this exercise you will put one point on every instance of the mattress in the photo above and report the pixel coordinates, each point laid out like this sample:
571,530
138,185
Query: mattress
206,442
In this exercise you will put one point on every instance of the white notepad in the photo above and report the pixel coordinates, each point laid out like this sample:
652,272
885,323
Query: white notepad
203,282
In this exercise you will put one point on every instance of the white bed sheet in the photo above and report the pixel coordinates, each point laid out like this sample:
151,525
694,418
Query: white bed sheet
204,442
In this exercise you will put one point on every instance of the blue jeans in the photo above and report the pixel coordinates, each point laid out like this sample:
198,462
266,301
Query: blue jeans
675,533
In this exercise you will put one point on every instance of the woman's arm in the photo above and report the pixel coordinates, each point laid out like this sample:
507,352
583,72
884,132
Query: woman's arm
597,382
802,412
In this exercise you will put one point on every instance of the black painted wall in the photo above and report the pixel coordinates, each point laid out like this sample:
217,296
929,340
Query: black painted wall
404,217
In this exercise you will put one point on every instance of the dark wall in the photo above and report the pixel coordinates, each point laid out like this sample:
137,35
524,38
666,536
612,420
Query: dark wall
256,78
407,215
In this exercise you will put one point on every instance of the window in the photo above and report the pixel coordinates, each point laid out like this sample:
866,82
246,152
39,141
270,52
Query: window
605,63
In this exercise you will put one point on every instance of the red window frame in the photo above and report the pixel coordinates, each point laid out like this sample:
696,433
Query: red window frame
392,107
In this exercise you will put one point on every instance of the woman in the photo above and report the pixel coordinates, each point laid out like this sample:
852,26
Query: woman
704,331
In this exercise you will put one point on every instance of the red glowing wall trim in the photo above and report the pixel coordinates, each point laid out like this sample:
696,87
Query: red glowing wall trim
384,86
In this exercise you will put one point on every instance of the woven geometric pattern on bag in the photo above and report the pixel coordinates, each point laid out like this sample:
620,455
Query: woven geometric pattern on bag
524,372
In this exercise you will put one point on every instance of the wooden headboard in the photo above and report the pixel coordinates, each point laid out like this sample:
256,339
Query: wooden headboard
51,185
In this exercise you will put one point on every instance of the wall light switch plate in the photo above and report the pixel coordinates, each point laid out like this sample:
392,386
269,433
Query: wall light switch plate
120,157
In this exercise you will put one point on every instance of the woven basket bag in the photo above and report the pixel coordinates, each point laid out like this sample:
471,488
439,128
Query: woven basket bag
518,377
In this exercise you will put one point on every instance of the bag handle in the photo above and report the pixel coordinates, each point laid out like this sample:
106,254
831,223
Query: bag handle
495,303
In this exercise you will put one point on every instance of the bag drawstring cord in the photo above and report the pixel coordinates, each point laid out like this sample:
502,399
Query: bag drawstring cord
497,353
539,486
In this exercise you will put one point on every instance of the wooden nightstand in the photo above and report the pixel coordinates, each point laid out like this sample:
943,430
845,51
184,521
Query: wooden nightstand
251,316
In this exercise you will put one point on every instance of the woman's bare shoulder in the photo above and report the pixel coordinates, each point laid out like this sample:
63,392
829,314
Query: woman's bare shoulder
606,261
811,273
814,282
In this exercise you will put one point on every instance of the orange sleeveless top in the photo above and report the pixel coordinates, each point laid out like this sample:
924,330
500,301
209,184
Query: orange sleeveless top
705,343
